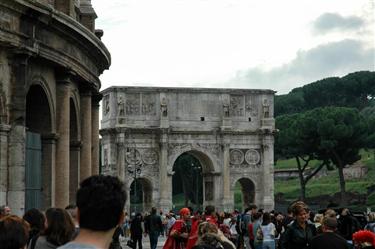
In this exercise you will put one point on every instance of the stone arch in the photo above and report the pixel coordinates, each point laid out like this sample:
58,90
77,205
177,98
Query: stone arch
38,80
205,158
147,192
248,190
209,170
39,146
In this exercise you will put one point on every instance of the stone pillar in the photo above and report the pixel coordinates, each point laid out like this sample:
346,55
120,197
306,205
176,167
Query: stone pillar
48,170
4,129
75,152
17,133
86,134
95,135
268,182
63,142
226,203
164,202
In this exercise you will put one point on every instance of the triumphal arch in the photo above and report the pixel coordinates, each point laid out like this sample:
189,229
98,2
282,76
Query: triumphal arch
230,132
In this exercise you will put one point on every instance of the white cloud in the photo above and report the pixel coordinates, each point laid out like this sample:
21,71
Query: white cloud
206,42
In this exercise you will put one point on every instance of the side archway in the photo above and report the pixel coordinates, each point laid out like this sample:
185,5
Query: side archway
244,193
39,151
140,195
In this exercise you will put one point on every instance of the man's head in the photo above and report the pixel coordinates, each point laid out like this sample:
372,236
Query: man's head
4,211
209,210
14,232
329,224
253,208
100,203
153,210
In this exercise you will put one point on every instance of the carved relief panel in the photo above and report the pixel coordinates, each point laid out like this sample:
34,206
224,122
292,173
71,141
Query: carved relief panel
251,106
132,104
148,104
244,158
106,107
121,104
237,105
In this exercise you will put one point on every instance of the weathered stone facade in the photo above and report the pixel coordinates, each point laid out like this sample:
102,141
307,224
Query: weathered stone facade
230,131
50,59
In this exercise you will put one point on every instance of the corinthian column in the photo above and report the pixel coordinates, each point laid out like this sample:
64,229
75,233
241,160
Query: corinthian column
86,134
95,135
226,178
268,182
164,202
63,142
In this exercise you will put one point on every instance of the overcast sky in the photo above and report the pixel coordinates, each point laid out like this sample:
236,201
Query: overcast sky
266,44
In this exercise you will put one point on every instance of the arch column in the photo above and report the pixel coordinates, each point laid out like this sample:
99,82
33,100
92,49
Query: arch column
86,135
268,182
75,151
4,130
95,134
49,169
63,143
164,201
17,133
227,203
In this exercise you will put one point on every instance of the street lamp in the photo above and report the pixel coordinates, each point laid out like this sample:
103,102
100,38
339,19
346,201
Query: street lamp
134,169
197,169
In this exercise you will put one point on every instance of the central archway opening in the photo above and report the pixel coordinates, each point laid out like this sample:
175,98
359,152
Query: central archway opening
187,182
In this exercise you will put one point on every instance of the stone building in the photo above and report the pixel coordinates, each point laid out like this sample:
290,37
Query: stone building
230,132
50,59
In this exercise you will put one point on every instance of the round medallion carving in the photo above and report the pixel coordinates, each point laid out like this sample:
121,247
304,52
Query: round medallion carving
150,156
236,157
133,157
252,157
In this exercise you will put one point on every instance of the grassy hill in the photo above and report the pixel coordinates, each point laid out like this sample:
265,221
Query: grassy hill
328,185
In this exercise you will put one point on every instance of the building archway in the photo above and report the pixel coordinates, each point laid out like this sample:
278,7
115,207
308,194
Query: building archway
192,181
140,195
74,152
244,193
38,173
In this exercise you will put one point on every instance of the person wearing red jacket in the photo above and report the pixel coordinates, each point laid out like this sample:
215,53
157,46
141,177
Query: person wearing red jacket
179,233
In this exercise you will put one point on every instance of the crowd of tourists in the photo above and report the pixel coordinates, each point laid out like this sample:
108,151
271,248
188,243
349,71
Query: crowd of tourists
97,221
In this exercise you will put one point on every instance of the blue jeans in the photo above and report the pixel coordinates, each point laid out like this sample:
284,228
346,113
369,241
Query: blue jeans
268,244
153,239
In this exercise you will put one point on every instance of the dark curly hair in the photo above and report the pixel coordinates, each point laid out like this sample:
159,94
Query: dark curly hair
100,202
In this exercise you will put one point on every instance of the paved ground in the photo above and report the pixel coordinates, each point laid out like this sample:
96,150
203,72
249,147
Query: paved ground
145,243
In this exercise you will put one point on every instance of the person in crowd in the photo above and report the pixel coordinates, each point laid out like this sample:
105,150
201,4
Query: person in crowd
348,224
233,230
126,225
288,218
178,235
153,227
115,244
268,232
278,222
318,219
4,211
14,232
371,222
72,210
255,242
209,216
329,238
136,230
299,233
209,238
36,220
170,221
364,239
59,230
242,226
330,213
100,203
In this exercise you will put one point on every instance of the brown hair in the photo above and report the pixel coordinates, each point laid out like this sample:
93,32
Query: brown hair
60,226
298,207
14,232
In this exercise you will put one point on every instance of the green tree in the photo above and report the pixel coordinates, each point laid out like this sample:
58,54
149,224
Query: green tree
341,133
297,139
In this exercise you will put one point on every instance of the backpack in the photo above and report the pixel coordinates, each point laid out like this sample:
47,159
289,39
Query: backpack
259,234
370,227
